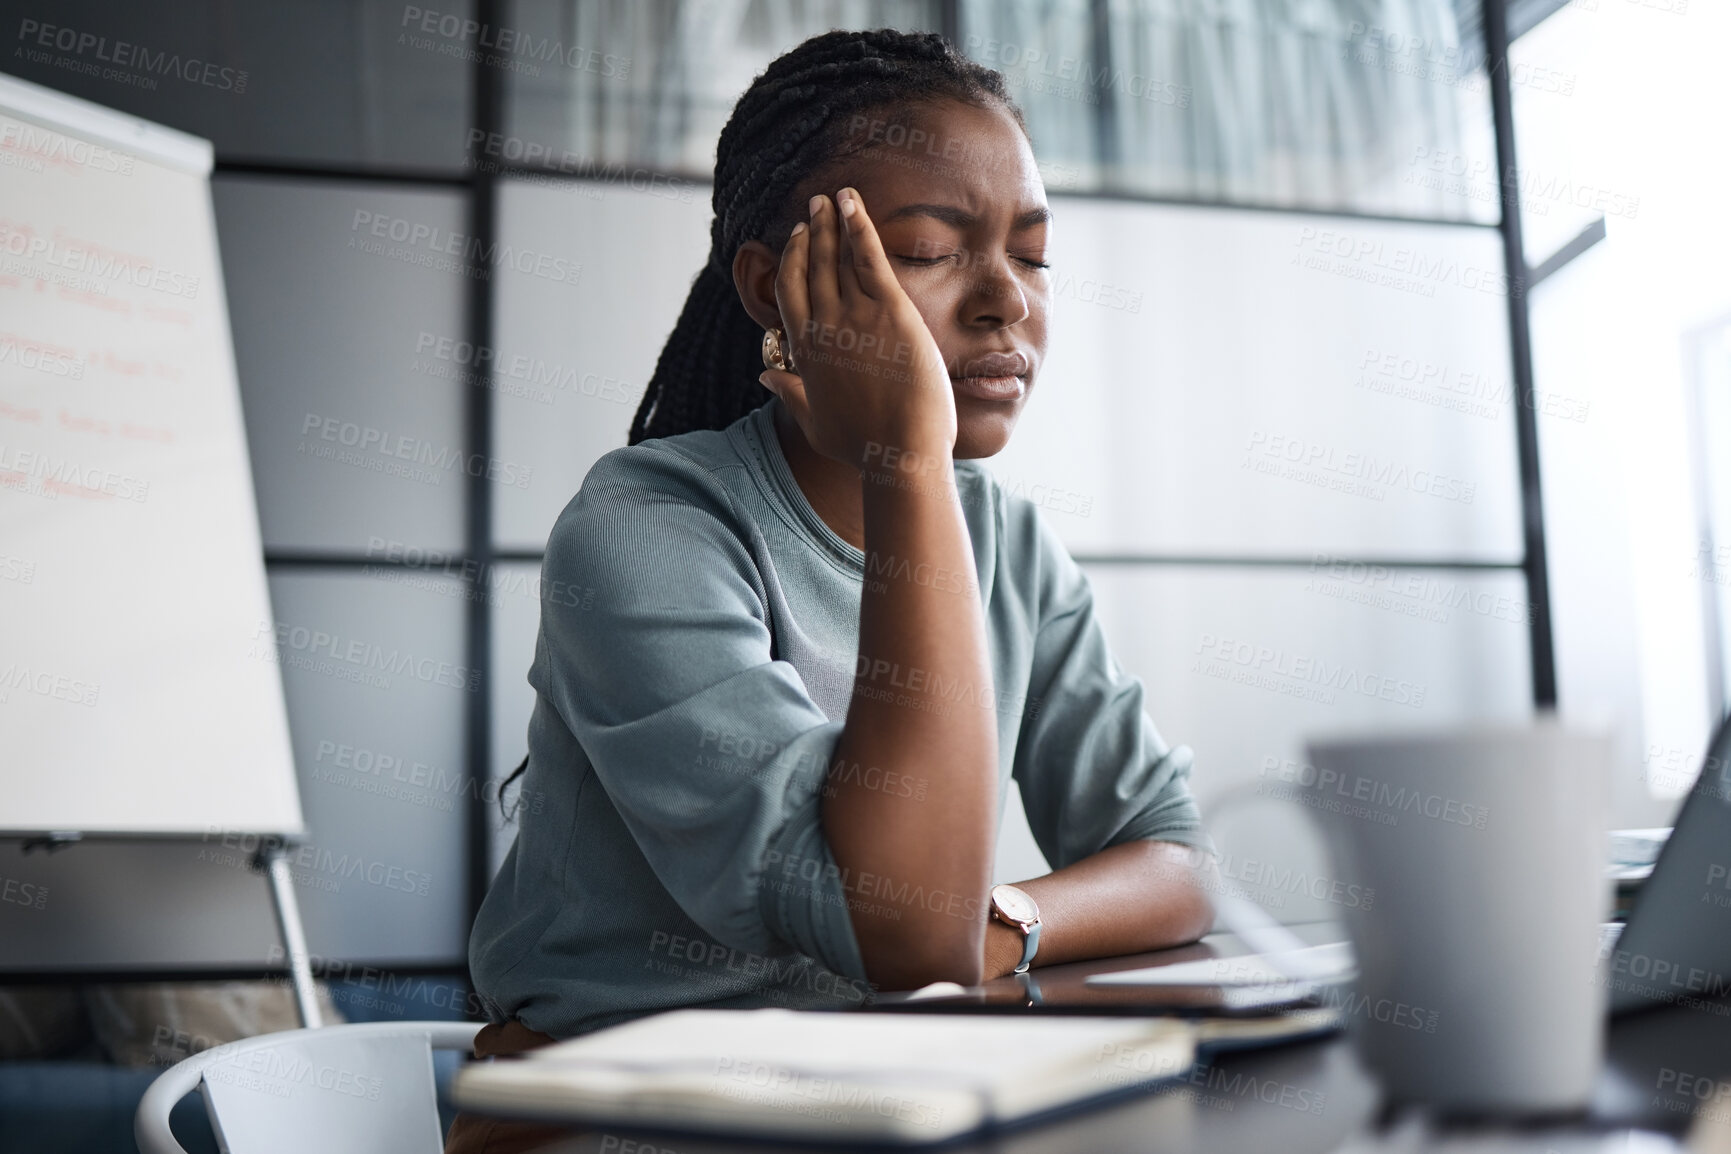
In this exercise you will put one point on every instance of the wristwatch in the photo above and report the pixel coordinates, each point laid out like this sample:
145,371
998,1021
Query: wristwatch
1015,908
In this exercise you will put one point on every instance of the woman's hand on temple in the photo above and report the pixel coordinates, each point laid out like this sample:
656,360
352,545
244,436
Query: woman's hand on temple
871,388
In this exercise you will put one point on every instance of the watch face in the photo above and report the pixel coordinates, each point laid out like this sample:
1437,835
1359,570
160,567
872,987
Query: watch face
1014,904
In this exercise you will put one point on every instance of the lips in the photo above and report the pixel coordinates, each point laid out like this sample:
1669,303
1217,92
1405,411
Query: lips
995,365
993,377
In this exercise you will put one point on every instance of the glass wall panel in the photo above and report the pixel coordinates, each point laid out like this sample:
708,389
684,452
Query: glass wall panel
1356,105
1243,665
1240,664
1049,56
651,85
1363,106
574,357
353,420
374,673
327,82
1225,383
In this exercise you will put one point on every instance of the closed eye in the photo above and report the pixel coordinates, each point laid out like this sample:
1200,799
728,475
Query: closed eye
928,261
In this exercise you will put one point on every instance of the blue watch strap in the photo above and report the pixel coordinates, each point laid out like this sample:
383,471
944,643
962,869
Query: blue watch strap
1029,945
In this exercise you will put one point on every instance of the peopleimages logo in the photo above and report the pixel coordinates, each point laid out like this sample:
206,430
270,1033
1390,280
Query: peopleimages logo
1410,593
1372,259
430,246
1355,473
1279,879
41,357
380,450
30,895
681,953
805,875
1666,980
93,260
312,865
1465,391
485,364
1332,789
1074,76
837,1100
45,683
503,43
26,141
57,475
1309,677
361,656
121,55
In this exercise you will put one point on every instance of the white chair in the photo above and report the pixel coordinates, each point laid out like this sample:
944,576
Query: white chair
358,1089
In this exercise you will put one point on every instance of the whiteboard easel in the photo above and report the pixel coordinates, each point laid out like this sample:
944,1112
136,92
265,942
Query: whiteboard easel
140,692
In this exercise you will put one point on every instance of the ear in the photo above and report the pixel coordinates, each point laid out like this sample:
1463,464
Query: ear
755,266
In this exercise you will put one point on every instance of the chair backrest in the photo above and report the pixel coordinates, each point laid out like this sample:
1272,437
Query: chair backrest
358,1089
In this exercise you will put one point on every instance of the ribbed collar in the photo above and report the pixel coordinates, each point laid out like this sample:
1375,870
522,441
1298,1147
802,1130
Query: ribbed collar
762,451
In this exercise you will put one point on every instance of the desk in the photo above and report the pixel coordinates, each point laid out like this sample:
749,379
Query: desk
1312,1097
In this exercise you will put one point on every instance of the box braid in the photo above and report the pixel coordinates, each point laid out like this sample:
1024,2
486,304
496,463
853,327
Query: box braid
790,124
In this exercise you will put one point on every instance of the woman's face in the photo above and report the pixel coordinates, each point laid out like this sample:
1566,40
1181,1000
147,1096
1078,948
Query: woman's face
961,211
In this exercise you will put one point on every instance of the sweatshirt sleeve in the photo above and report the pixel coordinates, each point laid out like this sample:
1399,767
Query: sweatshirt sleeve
1093,770
656,622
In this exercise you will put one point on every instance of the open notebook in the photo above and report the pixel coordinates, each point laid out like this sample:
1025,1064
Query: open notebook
844,1077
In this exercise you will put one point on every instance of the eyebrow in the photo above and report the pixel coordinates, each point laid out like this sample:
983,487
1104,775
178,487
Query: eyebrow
960,218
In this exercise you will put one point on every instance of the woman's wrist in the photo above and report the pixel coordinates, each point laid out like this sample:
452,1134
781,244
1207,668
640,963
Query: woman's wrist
1004,945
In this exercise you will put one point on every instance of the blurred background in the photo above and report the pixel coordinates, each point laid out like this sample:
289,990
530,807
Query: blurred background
1280,424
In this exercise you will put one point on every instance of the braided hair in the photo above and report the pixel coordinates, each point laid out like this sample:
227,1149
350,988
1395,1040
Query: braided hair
791,123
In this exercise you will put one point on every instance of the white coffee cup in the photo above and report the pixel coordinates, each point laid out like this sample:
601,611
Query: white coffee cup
1486,848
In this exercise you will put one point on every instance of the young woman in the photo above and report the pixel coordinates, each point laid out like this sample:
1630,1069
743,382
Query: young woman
795,643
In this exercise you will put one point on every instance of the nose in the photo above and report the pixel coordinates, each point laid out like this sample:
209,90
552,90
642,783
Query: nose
996,297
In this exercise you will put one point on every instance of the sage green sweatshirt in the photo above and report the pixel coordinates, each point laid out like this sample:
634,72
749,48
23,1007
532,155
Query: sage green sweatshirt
695,660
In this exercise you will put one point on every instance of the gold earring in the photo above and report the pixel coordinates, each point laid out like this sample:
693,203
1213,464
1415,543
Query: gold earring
776,353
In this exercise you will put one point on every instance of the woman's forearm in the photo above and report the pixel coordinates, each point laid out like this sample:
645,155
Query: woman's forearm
924,709
1142,895
914,869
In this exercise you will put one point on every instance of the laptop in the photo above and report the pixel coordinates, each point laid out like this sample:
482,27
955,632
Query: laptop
1675,947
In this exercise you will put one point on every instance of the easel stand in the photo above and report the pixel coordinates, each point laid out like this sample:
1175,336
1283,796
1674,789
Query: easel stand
273,863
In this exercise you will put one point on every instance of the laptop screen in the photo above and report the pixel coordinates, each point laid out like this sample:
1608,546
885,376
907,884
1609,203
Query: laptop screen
1676,949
